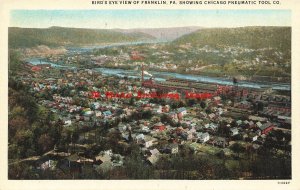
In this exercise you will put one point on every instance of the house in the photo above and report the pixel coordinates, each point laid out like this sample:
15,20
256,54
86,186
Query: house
258,132
202,137
192,130
36,68
126,136
182,111
145,129
221,141
159,126
211,126
48,164
104,156
259,124
220,111
203,114
148,141
173,115
159,109
284,119
217,99
122,127
67,121
139,138
266,128
189,135
153,159
253,137
107,114
234,131
166,108
87,112
251,124
98,113
257,118
212,116
239,122
155,152
246,122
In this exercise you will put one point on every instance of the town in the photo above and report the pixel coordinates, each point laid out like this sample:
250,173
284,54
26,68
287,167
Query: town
212,104
98,132
245,63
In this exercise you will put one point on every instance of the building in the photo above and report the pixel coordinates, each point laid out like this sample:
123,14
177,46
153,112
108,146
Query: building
234,131
266,128
203,137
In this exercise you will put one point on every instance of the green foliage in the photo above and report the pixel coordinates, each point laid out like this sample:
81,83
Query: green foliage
238,148
30,128
192,167
135,167
14,61
250,37
58,36
106,51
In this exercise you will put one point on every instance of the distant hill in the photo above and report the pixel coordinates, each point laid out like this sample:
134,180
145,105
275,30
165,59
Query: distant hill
250,37
60,36
163,33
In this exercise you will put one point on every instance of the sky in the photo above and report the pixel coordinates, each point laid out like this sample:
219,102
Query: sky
107,19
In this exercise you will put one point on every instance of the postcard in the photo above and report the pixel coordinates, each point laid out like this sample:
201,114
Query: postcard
149,94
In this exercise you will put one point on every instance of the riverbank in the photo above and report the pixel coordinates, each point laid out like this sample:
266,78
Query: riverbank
165,75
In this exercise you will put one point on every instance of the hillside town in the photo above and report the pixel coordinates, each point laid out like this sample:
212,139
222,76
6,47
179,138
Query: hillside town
268,64
114,94
107,137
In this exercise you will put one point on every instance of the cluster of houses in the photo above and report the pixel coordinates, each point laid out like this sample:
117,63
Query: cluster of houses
70,97
103,162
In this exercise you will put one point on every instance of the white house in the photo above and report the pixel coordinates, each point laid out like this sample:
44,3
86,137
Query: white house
98,113
67,121
234,131
203,137
148,141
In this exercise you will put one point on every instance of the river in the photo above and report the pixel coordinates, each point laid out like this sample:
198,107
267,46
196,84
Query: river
161,76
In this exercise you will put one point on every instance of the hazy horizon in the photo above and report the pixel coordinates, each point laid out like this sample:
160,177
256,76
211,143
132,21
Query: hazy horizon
143,19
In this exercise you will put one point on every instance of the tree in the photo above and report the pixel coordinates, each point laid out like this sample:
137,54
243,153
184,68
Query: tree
135,167
260,106
166,119
15,124
185,151
14,61
237,148
24,139
45,143
113,139
146,114
131,102
43,115
223,130
203,104
191,102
